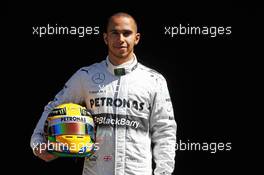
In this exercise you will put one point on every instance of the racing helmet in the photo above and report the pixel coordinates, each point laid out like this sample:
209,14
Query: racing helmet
69,131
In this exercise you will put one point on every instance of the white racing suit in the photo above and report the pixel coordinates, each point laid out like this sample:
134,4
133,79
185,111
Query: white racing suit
132,108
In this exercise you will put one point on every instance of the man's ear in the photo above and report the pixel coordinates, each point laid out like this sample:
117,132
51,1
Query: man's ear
137,38
105,38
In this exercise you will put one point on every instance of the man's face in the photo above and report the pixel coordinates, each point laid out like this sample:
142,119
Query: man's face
121,37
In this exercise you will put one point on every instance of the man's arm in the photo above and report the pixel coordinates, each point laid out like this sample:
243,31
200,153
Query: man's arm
40,151
163,130
72,92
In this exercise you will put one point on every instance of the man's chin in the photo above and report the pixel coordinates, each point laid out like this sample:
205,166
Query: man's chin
122,55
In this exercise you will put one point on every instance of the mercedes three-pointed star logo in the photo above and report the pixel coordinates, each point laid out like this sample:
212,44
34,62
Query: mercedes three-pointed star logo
98,78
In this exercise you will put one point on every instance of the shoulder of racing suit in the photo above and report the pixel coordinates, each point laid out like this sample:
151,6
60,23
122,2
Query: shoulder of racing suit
150,75
92,68
153,75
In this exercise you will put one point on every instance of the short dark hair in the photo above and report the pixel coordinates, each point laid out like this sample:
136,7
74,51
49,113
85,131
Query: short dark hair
119,14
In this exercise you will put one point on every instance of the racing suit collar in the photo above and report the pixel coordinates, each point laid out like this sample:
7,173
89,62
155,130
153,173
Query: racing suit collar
122,69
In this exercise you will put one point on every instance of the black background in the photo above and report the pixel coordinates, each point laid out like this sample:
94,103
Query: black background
206,76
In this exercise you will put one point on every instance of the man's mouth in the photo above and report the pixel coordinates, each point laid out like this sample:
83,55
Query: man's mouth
121,47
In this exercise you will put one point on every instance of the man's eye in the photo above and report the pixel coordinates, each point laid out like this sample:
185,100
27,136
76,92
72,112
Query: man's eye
126,33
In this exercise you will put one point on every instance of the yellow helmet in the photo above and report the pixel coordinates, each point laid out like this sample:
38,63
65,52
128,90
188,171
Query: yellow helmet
70,131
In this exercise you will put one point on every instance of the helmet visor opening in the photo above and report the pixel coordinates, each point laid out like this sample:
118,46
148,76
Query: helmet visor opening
70,129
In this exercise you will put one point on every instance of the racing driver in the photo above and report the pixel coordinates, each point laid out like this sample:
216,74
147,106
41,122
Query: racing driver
131,107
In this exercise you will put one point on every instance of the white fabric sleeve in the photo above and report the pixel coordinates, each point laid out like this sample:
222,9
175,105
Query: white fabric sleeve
72,92
163,130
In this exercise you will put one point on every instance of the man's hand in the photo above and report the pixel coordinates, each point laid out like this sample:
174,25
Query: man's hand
42,153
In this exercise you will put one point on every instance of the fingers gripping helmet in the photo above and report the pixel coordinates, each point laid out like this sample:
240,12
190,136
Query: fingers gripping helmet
70,131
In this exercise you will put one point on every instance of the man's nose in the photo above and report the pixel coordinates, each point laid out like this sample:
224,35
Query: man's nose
121,37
